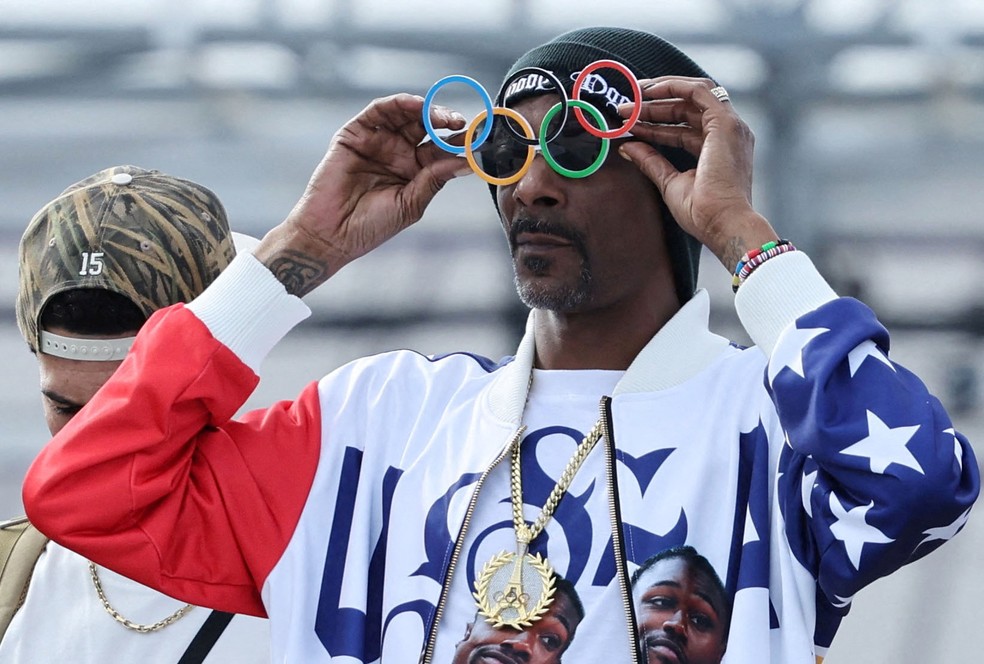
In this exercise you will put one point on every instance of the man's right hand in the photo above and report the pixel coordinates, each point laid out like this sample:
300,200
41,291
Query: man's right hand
376,179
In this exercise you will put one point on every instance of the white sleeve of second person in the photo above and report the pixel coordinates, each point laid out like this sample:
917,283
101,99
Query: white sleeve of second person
248,310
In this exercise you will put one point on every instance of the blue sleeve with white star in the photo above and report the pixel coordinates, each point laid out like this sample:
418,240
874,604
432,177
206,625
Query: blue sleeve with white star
873,474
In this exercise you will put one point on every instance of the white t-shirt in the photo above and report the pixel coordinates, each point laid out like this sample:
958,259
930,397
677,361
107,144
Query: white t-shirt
63,620
562,408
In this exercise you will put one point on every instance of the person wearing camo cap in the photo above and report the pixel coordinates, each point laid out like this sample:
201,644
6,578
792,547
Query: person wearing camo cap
95,263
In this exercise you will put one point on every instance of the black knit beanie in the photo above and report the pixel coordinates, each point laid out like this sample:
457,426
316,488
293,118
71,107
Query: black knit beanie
647,56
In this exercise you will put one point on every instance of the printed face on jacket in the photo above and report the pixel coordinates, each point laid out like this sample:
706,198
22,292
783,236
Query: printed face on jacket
542,643
682,611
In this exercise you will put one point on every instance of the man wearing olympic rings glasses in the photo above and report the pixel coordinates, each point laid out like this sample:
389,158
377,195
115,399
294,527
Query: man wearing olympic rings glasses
370,517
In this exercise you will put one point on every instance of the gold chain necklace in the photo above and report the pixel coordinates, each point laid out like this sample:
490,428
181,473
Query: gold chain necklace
516,589
129,624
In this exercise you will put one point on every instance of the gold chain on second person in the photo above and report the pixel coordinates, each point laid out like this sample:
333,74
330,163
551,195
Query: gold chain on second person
126,622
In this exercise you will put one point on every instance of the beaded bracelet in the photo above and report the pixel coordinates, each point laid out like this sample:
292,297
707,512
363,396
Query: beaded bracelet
756,257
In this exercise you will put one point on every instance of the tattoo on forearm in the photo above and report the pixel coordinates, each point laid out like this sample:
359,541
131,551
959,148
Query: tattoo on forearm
299,273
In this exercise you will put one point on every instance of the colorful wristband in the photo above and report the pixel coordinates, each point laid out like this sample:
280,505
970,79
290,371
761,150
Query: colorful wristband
756,257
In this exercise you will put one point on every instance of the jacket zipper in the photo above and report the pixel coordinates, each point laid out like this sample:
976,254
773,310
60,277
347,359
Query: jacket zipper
428,652
614,512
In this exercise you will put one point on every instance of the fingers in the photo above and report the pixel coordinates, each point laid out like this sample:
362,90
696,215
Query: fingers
691,102
684,112
443,117
649,160
697,91
675,136
401,113
438,167
421,190
668,111
691,114
387,138
429,152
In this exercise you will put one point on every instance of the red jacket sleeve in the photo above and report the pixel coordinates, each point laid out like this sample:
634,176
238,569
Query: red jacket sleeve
153,479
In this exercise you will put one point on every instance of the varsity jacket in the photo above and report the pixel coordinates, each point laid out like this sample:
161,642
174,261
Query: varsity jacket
802,468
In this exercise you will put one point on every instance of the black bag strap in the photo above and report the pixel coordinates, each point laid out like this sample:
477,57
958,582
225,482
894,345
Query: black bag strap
20,547
204,641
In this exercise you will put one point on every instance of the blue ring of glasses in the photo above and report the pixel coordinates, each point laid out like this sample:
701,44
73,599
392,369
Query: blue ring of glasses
429,99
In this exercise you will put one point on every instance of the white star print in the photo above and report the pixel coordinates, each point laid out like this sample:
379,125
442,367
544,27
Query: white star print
884,446
957,448
851,528
946,532
806,489
751,534
789,350
863,351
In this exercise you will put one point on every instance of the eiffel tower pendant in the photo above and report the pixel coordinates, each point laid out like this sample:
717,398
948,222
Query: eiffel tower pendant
514,589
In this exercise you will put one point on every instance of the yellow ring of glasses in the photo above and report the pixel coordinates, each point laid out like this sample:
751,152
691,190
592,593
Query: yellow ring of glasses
470,155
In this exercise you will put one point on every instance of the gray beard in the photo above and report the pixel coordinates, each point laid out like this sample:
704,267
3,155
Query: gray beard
555,299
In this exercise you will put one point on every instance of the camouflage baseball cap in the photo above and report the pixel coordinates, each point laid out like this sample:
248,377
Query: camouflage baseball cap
151,237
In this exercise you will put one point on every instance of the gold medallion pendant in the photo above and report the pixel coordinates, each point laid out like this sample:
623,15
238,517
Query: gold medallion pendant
514,589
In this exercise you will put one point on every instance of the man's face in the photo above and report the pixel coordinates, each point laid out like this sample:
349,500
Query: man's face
542,643
67,385
681,615
581,244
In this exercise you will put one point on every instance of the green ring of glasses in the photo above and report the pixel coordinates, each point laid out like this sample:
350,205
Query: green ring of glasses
544,145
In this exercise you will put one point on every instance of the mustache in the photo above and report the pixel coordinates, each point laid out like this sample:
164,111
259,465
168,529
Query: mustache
535,225
653,639
498,653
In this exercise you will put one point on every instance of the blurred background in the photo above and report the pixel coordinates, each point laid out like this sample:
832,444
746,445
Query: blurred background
869,118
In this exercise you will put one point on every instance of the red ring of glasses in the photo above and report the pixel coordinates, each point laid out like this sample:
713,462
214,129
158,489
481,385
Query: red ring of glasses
636,111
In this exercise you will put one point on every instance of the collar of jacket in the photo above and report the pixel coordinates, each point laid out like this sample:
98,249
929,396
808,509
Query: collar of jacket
681,349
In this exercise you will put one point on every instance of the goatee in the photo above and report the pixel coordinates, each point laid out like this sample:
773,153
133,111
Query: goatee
566,297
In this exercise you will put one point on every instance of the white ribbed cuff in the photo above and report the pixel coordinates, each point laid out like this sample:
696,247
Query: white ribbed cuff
248,310
779,291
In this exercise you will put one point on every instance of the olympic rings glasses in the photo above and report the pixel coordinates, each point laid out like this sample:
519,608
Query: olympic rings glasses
505,145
